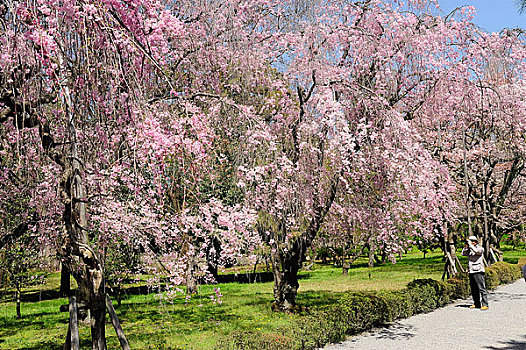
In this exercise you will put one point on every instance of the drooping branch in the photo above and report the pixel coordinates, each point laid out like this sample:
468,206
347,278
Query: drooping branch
18,232
24,115
509,178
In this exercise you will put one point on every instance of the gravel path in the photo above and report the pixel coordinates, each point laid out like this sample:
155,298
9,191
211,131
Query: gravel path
455,326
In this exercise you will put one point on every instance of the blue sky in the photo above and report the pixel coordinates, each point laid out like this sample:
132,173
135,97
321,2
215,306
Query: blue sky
492,15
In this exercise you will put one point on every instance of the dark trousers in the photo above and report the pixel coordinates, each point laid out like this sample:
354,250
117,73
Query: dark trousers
478,289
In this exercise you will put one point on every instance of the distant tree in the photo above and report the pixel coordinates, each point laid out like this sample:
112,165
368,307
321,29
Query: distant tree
122,261
475,126
18,262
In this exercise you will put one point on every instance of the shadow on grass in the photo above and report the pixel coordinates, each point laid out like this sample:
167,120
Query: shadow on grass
243,278
319,298
250,277
17,324
413,261
138,314
430,261
512,260
55,345
14,328
4,332
32,297
44,346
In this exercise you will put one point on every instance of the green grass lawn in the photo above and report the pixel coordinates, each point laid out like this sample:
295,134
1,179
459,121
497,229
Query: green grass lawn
150,323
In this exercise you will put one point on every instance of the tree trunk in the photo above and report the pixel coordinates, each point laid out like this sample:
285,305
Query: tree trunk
345,268
287,259
285,269
74,251
486,236
17,296
191,282
81,260
372,249
119,295
212,256
91,292
285,266
65,285
212,268
450,255
450,248
98,321
254,272
79,257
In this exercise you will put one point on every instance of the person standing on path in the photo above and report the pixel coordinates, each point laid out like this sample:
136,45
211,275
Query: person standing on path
474,252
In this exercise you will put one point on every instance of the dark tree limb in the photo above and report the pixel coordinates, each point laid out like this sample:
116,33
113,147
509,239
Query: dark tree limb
73,329
18,232
116,324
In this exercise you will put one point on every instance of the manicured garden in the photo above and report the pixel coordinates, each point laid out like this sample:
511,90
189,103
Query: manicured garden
154,147
243,315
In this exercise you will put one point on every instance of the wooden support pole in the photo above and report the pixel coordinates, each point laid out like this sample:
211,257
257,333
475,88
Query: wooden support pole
67,343
499,253
445,270
73,324
493,255
116,324
451,263
459,264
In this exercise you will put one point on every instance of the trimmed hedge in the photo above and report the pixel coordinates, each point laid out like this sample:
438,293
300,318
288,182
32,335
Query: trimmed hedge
501,273
358,312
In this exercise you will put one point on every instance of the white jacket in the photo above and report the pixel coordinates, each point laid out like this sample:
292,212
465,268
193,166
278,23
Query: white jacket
475,257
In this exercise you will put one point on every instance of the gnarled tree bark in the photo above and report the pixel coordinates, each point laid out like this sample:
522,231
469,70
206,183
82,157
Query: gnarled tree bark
76,254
